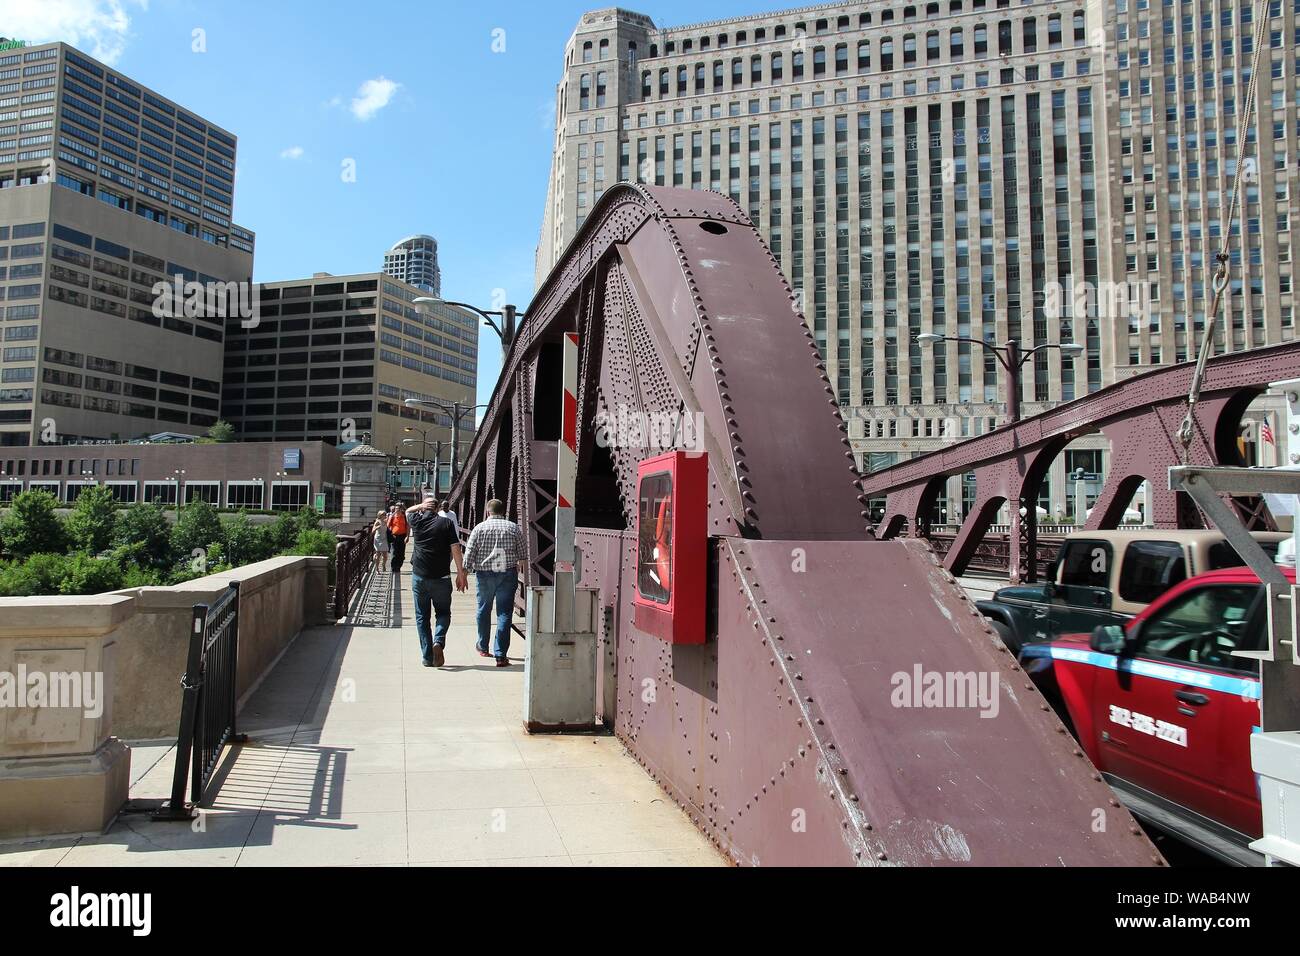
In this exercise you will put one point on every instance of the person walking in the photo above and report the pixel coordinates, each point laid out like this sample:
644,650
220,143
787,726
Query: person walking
434,550
495,553
398,530
444,510
379,533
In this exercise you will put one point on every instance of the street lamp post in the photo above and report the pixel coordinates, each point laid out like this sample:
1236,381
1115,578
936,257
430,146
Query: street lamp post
424,447
1022,539
1011,358
508,315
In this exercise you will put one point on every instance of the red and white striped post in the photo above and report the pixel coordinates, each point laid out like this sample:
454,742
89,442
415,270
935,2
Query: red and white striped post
566,481
566,469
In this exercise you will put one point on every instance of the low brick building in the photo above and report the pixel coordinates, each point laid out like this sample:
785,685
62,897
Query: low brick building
280,476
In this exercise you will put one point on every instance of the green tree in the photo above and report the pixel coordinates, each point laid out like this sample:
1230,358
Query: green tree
308,519
86,574
32,526
35,574
282,533
222,432
145,528
90,526
245,542
196,529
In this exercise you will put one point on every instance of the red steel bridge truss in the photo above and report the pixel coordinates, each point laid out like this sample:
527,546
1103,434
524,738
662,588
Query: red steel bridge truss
1139,416
798,732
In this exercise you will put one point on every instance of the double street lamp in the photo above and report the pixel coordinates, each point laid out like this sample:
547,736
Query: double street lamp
457,411
424,443
1010,356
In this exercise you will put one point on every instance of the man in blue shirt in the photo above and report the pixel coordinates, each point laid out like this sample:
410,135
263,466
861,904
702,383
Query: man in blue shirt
495,553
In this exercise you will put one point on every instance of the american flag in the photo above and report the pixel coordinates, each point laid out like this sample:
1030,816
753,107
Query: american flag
1266,432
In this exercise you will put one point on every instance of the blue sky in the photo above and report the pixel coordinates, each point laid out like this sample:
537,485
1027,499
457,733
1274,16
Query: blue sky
449,138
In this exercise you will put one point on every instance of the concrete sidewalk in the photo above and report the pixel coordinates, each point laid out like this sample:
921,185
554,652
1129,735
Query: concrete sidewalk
358,755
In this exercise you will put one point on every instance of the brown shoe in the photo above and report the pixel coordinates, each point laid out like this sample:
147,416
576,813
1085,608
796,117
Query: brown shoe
503,662
437,655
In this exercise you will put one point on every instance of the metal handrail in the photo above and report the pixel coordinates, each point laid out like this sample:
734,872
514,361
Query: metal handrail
352,560
208,703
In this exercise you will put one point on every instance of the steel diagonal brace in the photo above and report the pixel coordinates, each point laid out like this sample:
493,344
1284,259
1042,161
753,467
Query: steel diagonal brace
718,455
1279,691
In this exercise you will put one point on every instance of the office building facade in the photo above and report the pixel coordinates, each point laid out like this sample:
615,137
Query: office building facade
414,260
106,190
334,357
1040,171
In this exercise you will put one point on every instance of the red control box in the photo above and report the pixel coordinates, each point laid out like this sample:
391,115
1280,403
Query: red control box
672,546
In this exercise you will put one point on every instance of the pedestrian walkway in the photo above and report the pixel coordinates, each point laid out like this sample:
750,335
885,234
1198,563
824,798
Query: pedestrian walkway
358,755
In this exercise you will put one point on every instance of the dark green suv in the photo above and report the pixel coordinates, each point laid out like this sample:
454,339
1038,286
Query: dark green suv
1106,577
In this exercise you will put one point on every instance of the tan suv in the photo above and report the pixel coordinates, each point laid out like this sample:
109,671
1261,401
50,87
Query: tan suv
1106,577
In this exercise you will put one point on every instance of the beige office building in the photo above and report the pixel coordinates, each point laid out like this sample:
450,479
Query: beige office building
106,190
334,357
966,167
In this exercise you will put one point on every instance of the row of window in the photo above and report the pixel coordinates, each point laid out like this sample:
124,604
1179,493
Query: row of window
820,27
285,495
835,61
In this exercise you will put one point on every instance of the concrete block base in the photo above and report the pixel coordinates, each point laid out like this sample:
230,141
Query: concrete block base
63,795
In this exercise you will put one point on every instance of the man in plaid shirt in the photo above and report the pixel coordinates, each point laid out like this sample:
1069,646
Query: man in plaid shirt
495,553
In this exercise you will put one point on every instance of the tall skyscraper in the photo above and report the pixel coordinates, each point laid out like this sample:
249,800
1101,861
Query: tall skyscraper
106,190
332,357
1040,171
414,260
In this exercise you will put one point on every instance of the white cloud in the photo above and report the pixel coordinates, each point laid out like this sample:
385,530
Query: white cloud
372,96
546,114
100,27
293,152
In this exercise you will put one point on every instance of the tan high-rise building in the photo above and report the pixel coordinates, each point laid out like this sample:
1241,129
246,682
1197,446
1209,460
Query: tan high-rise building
106,190
334,357
971,168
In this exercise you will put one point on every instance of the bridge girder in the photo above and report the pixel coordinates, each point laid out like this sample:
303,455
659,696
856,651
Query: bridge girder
782,737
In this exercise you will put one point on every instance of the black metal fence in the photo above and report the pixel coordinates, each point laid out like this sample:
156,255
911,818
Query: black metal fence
208,702
352,558
993,553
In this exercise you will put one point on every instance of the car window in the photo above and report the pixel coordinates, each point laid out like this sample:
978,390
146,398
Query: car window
1205,625
1224,555
1150,569
1086,564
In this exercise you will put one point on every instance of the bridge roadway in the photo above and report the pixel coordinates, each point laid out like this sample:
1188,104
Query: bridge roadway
358,755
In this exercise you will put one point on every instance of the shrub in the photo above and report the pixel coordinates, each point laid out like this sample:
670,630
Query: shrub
134,576
85,574
319,543
32,527
35,574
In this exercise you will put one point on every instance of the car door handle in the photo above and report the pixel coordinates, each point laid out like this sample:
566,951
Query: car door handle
1192,697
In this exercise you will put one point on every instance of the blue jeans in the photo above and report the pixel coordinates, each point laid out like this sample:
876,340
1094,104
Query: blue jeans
498,586
435,592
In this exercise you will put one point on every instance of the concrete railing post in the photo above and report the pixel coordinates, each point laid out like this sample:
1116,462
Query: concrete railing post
61,769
